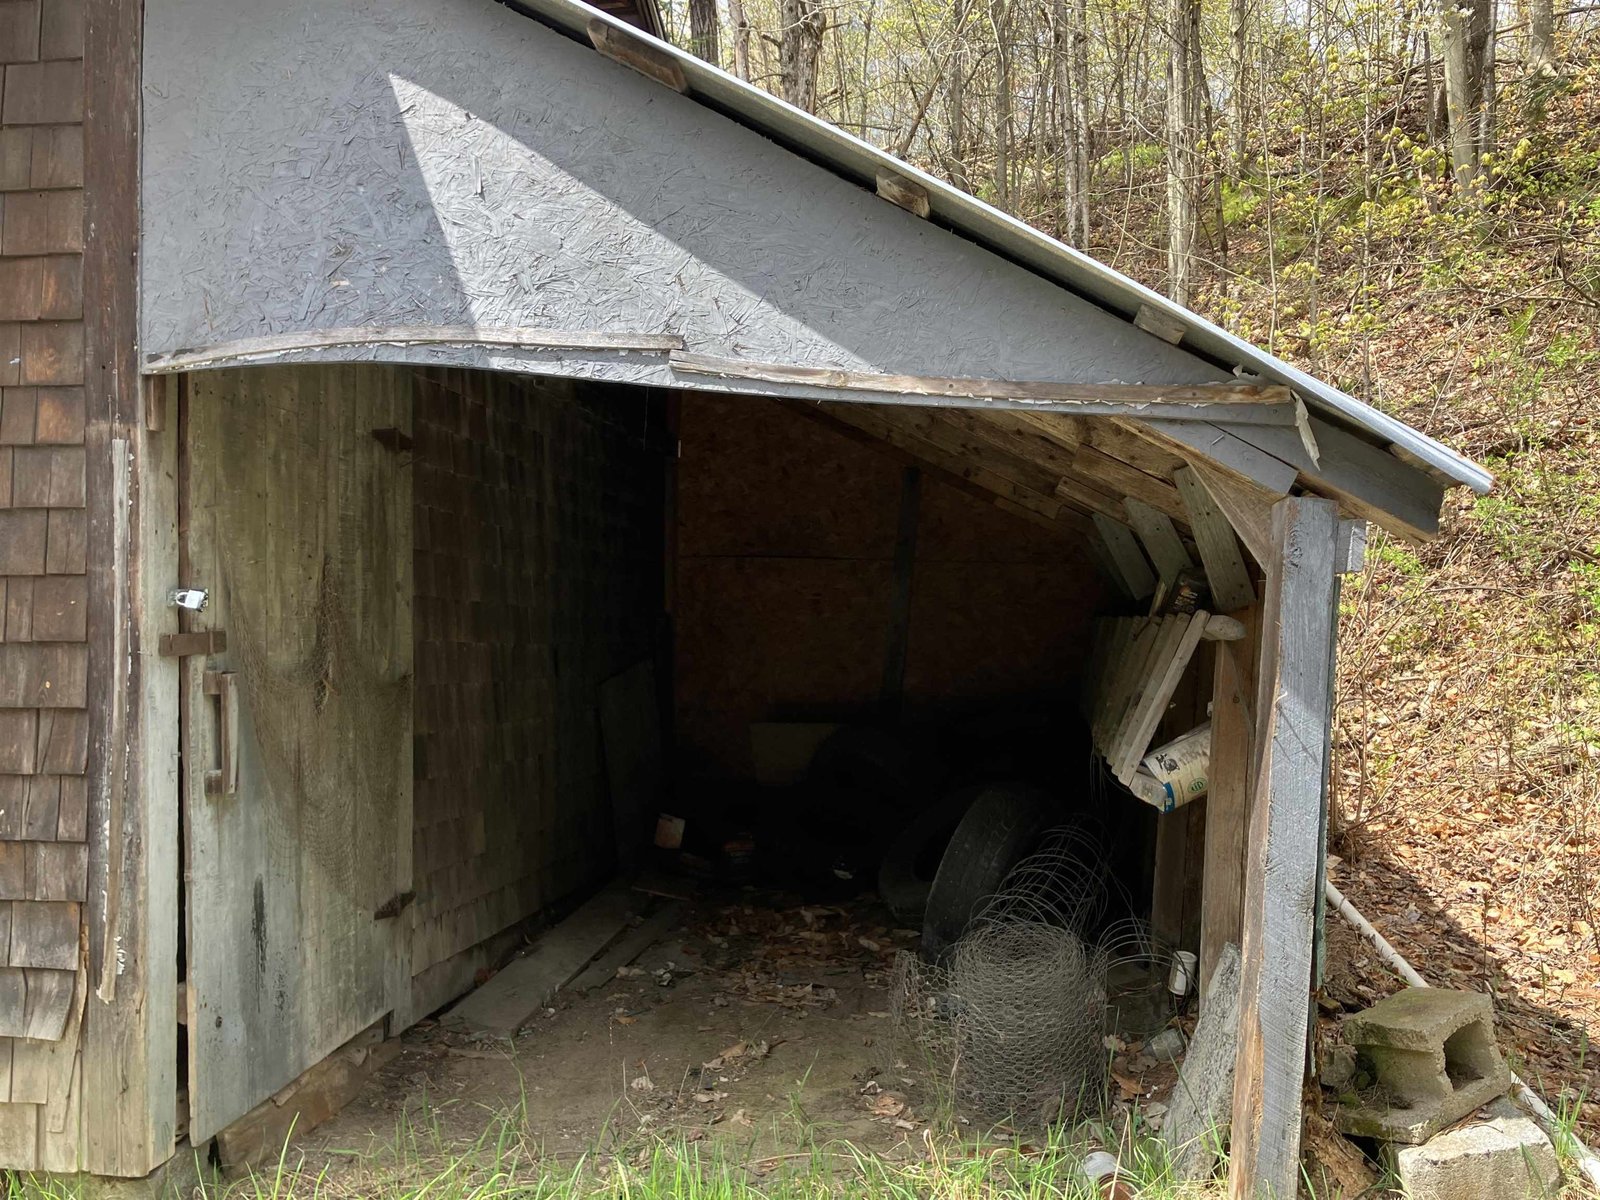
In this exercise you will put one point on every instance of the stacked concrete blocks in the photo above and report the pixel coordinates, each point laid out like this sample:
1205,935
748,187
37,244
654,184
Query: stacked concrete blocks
1435,1060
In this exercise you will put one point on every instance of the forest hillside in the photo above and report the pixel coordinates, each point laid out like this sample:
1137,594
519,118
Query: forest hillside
1403,198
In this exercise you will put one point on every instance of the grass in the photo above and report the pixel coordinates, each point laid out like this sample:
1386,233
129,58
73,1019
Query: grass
505,1163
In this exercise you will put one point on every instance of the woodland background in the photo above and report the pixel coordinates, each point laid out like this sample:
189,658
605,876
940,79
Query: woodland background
1404,198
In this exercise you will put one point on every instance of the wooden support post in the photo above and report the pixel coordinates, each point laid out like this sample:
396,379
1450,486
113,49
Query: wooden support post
1299,621
1175,900
1228,797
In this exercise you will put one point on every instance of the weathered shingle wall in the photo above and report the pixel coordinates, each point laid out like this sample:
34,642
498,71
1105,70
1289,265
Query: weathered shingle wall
44,685
538,569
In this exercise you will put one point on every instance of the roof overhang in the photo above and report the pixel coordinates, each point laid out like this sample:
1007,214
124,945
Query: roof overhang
861,163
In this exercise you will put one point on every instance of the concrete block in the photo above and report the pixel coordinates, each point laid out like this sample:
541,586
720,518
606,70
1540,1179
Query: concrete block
1508,1158
1434,1057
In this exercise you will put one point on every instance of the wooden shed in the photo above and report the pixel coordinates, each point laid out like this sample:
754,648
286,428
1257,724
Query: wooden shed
468,356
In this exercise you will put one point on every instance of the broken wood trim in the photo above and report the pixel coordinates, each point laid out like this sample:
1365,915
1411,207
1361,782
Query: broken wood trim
1299,620
248,350
1246,403
903,192
624,46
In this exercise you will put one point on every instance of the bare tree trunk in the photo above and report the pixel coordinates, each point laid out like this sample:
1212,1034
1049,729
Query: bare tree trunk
1540,15
800,51
1183,127
1464,35
999,15
1487,109
741,39
704,31
956,98
1238,87
1082,160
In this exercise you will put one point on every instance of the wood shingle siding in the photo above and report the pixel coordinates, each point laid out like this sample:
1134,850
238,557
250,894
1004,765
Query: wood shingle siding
44,629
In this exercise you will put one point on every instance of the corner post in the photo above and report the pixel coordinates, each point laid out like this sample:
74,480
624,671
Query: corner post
1299,622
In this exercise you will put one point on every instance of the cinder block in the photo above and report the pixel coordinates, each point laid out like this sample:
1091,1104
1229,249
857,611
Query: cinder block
1508,1158
1434,1056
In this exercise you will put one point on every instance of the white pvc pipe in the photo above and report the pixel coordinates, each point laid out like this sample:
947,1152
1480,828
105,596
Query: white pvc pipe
1588,1164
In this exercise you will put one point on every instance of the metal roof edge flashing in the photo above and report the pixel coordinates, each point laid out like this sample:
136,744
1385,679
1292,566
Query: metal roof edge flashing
968,217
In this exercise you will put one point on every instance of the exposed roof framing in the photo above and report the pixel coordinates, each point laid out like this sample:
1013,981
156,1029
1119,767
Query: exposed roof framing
866,165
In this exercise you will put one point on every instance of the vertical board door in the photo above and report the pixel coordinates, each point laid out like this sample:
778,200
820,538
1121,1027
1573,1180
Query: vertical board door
295,514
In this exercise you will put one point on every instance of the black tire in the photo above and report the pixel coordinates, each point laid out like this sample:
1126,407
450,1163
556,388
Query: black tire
1002,825
859,761
909,865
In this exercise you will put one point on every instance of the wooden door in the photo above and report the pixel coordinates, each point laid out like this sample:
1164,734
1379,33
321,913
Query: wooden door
295,509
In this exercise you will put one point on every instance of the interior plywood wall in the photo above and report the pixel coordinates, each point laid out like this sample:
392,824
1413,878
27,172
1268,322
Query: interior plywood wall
539,576
784,586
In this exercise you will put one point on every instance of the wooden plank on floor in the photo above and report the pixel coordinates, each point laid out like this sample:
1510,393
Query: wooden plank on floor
1218,546
504,1004
1299,617
627,948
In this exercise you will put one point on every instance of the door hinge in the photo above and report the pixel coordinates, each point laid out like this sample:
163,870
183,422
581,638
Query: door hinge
394,906
181,645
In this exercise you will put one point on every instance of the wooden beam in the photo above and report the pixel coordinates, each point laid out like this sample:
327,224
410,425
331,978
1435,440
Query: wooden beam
1300,618
1014,437
1125,553
1219,448
1247,508
1127,480
635,51
274,346
1218,546
1113,439
1228,794
1161,540
1226,402
1063,429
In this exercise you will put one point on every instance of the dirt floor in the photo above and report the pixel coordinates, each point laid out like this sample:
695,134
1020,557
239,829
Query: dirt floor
767,1028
